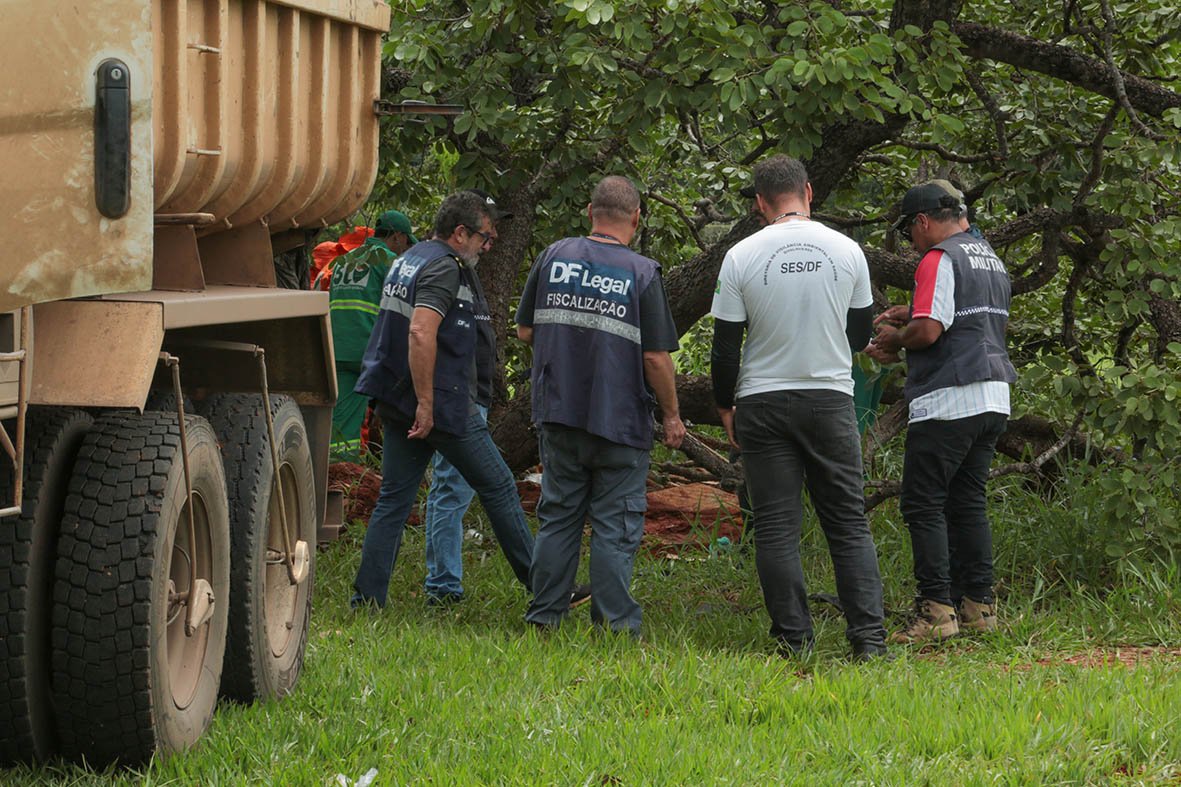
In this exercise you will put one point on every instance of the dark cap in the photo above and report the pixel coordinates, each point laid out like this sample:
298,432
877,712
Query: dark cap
394,221
493,209
927,197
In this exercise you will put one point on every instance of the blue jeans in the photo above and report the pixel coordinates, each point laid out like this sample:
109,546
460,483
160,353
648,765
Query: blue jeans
793,439
403,465
584,473
446,504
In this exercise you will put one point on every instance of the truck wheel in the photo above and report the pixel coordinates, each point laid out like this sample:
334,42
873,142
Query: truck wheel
268,612
27,552
129,676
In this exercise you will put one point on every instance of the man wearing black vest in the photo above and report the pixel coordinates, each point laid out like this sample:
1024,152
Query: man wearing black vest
420,366
957,389
599,322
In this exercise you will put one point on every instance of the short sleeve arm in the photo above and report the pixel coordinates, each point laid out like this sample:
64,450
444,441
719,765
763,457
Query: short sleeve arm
528,302
934,288
728,304
862,293
658,331
437,285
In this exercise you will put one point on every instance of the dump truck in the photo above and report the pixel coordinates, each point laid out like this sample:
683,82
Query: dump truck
166,407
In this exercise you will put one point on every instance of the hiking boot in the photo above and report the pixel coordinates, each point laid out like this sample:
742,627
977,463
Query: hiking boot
931,622
977,616
580,595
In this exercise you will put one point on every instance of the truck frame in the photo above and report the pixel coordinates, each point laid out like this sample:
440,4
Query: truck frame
166,407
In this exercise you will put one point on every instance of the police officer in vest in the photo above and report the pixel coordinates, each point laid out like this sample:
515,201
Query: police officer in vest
598,319
957,389
420,366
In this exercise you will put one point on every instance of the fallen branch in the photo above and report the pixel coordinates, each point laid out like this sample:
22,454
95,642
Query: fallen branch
888,488
1035,467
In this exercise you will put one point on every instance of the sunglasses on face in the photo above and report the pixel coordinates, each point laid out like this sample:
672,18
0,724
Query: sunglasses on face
906,228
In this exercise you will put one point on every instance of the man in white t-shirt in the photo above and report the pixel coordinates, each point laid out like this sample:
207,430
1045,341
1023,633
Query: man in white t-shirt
801,293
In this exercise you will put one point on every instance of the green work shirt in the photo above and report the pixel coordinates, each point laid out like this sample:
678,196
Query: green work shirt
354,297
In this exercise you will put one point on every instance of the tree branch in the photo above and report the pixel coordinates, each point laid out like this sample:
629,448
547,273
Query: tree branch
663,200
1092,177
945,153
1060,62
1035,467
994,111
1117,79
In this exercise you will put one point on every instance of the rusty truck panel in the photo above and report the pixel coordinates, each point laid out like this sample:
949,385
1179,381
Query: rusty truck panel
56,243
265,109
253,112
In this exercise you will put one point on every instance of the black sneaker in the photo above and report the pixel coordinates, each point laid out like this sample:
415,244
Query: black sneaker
443,599
865,652
580,595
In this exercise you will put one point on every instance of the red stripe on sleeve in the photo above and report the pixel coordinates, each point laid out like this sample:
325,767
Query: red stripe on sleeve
924,283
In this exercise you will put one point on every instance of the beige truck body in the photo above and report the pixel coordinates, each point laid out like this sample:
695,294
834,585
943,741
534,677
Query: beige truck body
250,121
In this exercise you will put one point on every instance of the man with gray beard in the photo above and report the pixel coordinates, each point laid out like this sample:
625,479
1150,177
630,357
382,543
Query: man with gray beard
420,366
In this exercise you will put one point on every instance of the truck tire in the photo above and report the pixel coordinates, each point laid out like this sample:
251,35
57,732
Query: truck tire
28,547
268,615
127,679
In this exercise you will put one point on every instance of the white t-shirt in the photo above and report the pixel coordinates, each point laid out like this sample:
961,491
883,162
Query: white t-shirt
793,284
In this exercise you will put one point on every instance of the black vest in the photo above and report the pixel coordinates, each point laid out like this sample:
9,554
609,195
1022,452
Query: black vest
385,369
972,350
588,362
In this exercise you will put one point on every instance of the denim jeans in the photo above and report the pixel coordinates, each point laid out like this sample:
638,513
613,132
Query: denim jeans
808,438
403,465
447,502
587,474
944,472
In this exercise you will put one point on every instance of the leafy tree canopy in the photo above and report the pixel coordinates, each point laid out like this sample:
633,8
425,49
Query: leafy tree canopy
1060,122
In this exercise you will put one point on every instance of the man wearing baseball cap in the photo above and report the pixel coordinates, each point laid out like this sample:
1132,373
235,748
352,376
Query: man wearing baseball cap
957,388
353,299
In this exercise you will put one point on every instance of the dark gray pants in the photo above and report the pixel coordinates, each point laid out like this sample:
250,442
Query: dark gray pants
584,474
793,439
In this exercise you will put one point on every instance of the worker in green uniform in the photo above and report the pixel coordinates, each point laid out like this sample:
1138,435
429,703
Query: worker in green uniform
354,296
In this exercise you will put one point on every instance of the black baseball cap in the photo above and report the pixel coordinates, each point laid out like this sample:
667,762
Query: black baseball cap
927,197
493,209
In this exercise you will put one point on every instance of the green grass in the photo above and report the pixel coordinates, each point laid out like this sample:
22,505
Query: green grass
470,695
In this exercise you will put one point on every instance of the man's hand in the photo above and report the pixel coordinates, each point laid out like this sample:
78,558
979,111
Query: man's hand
674,431
895,315
726,414
888,339
424,421
880,355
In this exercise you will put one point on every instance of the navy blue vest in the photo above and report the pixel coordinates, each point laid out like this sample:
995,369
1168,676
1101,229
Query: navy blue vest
385,369
588,363
973,349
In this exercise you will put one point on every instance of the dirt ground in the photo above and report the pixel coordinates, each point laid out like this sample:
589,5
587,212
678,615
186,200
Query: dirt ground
680,517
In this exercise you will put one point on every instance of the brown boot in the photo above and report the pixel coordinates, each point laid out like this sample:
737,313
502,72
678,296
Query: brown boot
976,617
932,622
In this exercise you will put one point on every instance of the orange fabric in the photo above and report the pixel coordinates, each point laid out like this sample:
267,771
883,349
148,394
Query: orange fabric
356,238
322,257
324,254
